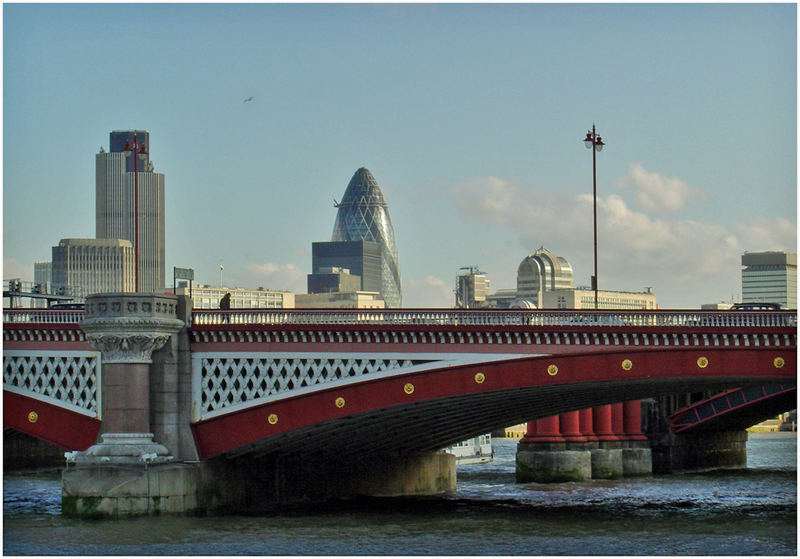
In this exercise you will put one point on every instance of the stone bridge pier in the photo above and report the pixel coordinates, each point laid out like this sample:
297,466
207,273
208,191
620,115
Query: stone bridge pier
146,462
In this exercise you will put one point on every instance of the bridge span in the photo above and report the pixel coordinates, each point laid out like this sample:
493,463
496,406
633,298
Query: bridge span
345,384
352,382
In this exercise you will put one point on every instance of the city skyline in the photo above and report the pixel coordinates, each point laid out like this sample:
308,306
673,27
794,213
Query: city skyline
471,116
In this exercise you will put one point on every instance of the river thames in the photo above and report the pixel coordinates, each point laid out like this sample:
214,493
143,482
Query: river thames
751,511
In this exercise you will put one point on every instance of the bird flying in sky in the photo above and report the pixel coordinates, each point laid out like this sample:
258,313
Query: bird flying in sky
247,100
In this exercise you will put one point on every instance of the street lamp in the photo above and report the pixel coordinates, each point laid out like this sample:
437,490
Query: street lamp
137,148
593,140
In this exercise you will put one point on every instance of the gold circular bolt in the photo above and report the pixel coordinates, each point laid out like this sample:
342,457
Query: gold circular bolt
552,370
702,362
33,417
408,388
479,378
339,402
627,365
778,362
272,419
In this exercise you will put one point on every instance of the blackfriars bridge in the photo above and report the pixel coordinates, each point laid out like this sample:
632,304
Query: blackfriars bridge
228,408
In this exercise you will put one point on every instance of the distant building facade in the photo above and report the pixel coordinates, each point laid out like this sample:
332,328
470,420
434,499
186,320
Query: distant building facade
363,215
546,281
42,273
353,300
716,306
81,267
114,203
472,289
501,299
540,273
209,296
333,280
42,280
363,259
770,277
583,298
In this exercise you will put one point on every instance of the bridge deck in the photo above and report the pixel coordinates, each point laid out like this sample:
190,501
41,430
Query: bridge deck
287,380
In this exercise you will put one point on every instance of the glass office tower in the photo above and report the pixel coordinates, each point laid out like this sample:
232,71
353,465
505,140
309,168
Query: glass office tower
114,204
364,216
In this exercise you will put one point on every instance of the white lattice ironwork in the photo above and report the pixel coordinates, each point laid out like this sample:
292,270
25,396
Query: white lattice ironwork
70,379
228,381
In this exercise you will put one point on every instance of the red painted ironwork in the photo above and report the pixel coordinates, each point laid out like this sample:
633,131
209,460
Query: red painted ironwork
587,426
59,426
603,423
40,336
726,403
570,427
632,417
589,379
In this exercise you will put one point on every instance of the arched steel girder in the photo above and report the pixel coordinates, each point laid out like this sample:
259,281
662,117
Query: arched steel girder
56,425
429,410
736,409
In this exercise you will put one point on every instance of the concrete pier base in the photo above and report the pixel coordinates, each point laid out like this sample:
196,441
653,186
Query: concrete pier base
112,490
700,451
550,466
378,476
98,490
607,463
637,462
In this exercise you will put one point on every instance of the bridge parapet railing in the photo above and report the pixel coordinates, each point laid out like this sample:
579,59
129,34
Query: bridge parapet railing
447,317
511,317
42,316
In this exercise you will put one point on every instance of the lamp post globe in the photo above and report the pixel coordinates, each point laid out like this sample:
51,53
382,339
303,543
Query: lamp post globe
593,140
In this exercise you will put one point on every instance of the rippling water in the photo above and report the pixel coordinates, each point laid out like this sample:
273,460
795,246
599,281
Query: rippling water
750,511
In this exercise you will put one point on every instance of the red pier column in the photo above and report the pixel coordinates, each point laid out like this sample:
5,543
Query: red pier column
601,418
544,430
587,425
570,427
617,422
632,420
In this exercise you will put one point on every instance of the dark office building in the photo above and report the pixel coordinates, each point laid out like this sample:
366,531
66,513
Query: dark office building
118,139
333,280
362,258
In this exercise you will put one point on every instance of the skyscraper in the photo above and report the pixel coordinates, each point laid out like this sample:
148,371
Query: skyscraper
364,216
114,206
770,277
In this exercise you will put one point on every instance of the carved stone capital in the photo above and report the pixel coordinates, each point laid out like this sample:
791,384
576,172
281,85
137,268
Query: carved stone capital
129,327
127,347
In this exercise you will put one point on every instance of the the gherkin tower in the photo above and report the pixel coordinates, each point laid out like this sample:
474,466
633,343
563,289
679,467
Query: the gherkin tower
364,216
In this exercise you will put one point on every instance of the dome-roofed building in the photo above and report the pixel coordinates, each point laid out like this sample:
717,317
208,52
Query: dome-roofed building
540,272
364,216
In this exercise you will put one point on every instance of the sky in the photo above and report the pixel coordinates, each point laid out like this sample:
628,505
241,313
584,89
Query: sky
471,117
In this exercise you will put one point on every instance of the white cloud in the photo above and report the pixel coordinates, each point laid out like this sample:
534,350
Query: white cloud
655,193
686,261
12,269
428,292
767,234
276,276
